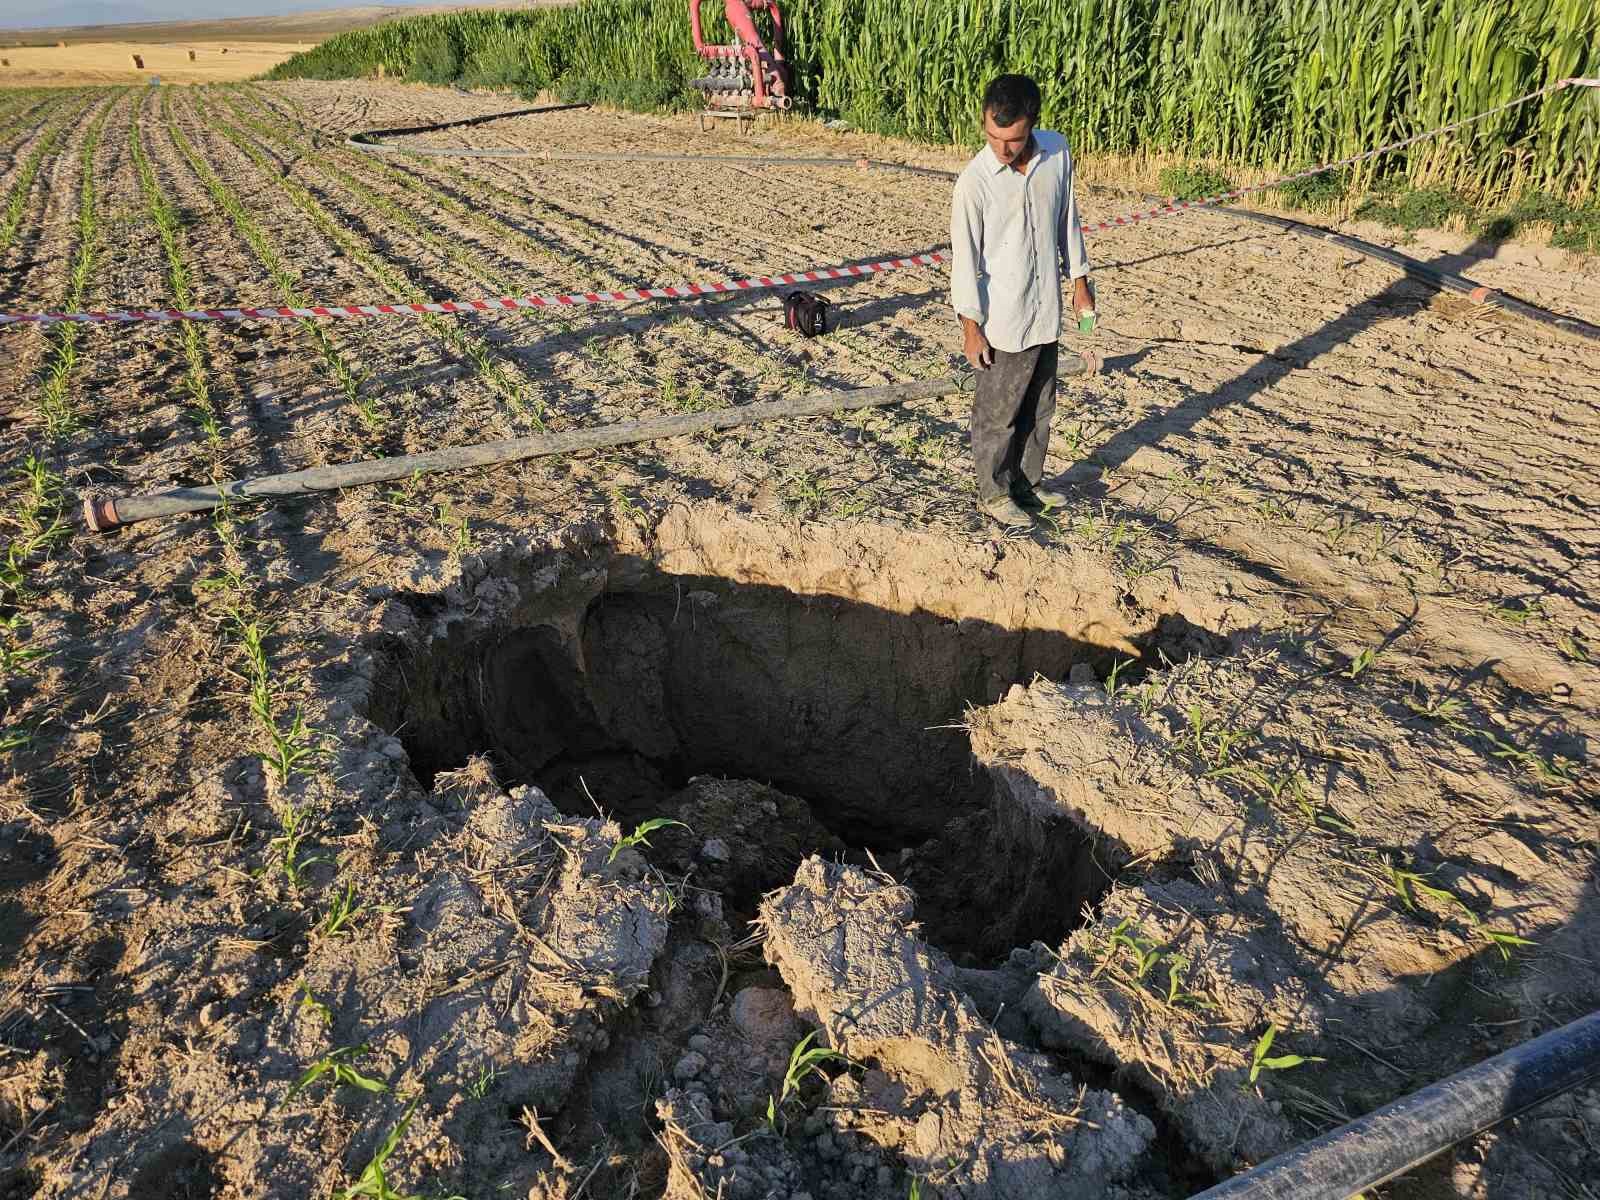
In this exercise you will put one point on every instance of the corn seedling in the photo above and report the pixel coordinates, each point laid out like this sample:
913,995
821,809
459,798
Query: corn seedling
489,367
309,1003
1447,710
169,229
227,581
1260,1061
292,859
292,747
39,508
37,517
342,912
17,198
245,224
1361,662
55,404
853,505
805,492
1176,997
1407,885
1556,771
374,1181
1503,941
337,1064
454,526
16,655
1146,953
1112,684
805,1060
482,1080
629,507
1526,615
640,835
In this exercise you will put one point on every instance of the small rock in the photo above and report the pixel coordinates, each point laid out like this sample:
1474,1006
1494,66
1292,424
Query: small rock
715,850
393,749
700,1042
885,1177
825,1146
211,1014
690,1065
1082,673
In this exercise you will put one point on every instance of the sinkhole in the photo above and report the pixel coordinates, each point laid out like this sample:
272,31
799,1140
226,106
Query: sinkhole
779,722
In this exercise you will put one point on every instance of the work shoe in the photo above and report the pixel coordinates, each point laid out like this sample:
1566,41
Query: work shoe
1004,511
1040,498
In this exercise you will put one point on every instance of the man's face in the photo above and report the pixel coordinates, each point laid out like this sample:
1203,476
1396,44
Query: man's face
1007,141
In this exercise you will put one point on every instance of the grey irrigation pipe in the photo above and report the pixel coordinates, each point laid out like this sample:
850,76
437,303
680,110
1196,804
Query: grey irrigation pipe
370,141
108,513
1393,1139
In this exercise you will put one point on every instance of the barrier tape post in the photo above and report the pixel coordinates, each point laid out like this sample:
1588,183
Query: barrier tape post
927,258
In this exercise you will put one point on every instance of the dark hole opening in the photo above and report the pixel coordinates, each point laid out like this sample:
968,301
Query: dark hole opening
836,724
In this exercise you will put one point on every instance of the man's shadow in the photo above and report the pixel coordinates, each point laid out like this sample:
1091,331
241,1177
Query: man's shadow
1403,297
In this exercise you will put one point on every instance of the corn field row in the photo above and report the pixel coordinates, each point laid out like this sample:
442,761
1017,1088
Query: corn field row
1266,83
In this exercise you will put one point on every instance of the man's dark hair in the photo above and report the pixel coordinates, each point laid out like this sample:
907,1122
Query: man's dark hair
1009,98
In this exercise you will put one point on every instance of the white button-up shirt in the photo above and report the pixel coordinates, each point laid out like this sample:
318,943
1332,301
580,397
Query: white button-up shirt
1011,233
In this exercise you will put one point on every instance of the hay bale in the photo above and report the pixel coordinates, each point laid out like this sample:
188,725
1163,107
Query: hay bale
191,56
138,62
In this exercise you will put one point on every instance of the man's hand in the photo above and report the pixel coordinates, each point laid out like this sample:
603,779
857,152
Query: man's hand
1082,296
975,346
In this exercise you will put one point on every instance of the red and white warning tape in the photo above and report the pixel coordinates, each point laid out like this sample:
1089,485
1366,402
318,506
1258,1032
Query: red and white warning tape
681,291
684,291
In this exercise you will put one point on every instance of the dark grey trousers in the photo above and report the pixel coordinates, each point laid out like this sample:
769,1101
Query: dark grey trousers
1012,405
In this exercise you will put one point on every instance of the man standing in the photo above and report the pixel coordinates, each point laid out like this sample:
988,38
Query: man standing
1013,225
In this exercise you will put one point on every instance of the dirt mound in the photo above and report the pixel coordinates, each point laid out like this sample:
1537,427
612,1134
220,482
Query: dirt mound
968,1111
483,993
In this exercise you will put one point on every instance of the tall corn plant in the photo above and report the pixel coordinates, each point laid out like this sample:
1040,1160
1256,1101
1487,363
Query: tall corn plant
1268,83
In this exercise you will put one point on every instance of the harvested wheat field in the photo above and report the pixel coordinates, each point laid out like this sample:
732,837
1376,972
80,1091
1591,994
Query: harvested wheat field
76,63
508,832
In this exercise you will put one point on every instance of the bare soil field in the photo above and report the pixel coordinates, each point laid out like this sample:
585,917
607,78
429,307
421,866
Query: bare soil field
333,855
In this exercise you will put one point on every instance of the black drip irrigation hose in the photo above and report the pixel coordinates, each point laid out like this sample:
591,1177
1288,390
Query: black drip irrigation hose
109,513
371,141
1399,1136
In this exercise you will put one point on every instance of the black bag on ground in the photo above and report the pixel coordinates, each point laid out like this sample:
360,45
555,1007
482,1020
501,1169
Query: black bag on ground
805,313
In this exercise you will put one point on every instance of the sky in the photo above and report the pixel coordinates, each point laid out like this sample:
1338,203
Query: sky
32,14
